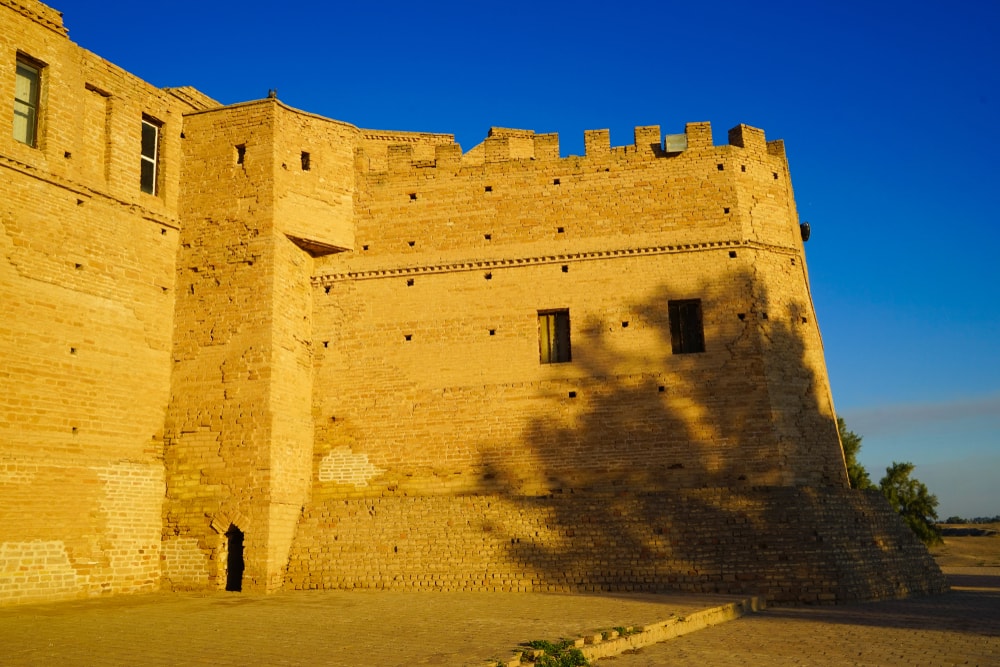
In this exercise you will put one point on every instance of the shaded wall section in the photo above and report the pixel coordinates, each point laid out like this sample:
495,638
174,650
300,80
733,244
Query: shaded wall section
789,544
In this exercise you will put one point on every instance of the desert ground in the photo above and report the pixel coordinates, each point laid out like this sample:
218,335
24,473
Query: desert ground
969,550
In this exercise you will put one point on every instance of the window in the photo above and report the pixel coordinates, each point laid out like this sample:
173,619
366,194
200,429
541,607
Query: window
686,332
553,336
26,95
150,155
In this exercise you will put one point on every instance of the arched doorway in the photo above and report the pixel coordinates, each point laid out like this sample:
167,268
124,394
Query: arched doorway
234,559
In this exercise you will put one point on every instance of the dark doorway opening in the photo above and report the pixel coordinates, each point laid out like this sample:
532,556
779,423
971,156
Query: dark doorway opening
234,561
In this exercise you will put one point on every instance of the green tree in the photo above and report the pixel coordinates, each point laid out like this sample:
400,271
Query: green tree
912,500
856,472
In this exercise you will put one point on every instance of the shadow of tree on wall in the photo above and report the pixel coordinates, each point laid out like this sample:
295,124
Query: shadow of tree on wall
722,473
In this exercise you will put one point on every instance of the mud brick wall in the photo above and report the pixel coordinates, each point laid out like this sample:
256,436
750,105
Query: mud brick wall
86,319
427,368
319,344
265,188
789,544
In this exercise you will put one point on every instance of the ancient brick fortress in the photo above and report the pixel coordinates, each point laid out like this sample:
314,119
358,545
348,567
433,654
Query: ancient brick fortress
253,347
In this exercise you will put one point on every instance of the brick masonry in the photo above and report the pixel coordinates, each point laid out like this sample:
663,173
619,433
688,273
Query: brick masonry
788,544
311,323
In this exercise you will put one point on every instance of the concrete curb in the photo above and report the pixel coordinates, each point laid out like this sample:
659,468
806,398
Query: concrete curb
607,644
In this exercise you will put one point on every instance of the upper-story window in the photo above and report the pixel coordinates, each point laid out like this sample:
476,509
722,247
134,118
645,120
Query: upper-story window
553,337
26,96
686,332
150,154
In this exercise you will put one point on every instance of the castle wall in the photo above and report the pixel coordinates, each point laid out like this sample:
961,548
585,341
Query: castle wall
219,424
86,317
427,364
240,427
790,544
320,345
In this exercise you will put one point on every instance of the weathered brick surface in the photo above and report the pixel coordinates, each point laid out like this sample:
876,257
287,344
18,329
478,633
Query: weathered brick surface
310,319
86,322
788,544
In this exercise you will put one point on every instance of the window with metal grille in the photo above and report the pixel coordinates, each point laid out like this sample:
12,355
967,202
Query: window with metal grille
553,336
150,155
686,332
26,96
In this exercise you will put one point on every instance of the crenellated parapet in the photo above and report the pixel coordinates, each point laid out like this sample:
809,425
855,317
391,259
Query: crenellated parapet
398,153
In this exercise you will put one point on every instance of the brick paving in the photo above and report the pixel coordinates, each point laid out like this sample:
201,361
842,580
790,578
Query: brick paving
394,628
316,627
959,628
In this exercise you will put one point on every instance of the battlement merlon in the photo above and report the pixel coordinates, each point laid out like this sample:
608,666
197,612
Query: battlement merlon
509,144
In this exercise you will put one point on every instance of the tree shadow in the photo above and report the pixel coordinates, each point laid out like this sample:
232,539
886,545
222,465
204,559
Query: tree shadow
713,472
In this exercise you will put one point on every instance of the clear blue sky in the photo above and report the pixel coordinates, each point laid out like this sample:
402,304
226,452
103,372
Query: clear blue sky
889,111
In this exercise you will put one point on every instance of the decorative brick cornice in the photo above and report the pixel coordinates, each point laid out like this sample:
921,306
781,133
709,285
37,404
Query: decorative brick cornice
511,262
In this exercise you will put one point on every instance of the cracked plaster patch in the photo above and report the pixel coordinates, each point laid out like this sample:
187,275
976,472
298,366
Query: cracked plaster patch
343,466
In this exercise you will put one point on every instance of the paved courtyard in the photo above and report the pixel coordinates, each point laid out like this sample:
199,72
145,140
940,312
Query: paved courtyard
393,628
959,628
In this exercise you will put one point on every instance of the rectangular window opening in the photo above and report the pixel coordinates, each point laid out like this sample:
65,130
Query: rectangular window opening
306,161
149,165
241,153
687,334
27,94
553,337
